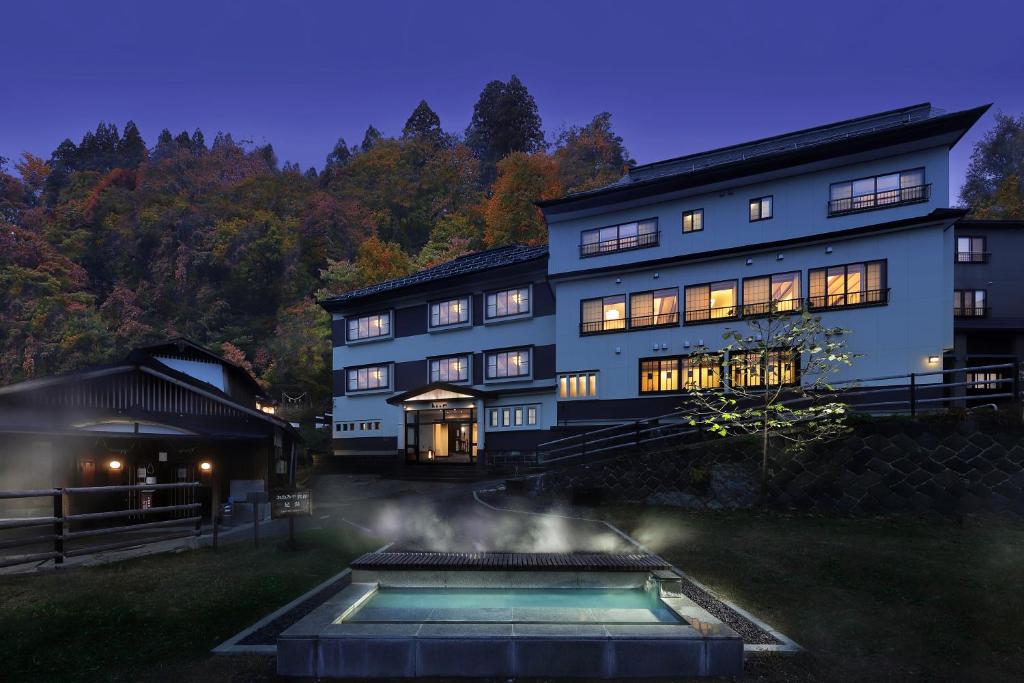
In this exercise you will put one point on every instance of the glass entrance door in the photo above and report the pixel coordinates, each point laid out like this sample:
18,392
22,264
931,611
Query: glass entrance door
437,436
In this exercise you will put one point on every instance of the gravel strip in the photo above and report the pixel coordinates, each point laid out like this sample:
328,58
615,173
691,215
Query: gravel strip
751,632
268,633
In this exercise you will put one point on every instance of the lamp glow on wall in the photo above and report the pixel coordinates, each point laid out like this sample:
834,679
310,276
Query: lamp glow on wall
206,467
115,465
933,360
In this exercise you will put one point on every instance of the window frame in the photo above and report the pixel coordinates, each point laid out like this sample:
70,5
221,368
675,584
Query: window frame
491,319
923,194
795,356
528,375
585,330
976,310
972,256
760,208
659,359
389,369
881,300
590,380
692,214
592,249
389,313
798,306
703,321
466,358
656,325
442,327
504,418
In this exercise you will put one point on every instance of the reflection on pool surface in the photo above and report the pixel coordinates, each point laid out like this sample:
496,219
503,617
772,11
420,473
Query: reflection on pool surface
516,605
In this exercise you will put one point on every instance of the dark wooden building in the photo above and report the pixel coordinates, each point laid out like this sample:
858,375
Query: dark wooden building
167,413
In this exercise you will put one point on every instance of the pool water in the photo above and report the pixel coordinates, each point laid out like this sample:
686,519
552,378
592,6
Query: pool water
516,605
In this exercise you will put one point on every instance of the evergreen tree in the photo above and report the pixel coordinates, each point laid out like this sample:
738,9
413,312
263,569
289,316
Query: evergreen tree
198,141
183,140
131,149
371,138
591,156
424,124
994,184
339,156
164,145
505,120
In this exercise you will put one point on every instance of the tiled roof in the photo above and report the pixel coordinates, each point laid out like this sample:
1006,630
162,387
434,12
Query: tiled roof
463,265
765,147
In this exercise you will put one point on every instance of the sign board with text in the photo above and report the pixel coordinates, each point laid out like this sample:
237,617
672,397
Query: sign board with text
293,503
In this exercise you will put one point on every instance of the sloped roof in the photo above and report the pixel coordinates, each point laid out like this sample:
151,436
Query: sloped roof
184,345
463,265
851,130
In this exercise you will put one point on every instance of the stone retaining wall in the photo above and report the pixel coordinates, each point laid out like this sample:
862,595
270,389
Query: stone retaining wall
945,466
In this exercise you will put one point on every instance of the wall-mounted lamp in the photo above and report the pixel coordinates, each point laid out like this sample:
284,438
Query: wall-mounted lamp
750,261
932,360
828,250
618,349
779,257
115,465
686,344
206,467
664,346
654,348
618,280
657,275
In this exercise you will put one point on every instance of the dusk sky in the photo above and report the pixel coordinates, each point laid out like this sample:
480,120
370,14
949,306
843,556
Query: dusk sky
677,77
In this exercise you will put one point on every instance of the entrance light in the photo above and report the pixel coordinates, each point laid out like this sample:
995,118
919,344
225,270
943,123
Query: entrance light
206,467
114,465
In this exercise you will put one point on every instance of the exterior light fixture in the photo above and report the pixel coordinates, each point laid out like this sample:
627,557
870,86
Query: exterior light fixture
828,250
779,257
115,465
657,275
932,360
430,454
750,261
206,467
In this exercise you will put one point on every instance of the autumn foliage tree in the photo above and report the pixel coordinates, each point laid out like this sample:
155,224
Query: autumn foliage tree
511,214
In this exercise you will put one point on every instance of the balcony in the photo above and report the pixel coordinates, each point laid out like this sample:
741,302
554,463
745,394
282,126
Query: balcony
641,322
704,315
972,257
886,199
627,243
971,312
781,306
870,297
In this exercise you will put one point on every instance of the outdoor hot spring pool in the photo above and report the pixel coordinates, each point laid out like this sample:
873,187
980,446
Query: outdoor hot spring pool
516,605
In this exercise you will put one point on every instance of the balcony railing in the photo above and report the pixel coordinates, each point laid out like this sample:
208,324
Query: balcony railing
705,314
970,312
880,200
870,297
972,256
634,323
640,241
765,307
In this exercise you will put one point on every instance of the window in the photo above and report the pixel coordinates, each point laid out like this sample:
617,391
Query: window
451,369
509,302
715,301
659,375
693,221
780,293
877,192
508,364
368,378
747,369
971,250
984,380
760,208
855,284
606,314
636,235
451,312
369,326
358,426
650,309
970,303
702,371
577,385
513,417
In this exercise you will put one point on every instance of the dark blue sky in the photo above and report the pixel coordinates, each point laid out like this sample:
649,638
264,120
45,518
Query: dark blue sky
677,77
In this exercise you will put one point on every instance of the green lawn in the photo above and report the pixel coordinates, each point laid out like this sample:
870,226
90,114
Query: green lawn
157,617
869,599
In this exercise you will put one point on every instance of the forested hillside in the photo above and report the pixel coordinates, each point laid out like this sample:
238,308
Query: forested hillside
114,241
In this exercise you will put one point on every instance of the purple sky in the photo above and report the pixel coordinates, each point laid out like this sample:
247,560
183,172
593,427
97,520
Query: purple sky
677,77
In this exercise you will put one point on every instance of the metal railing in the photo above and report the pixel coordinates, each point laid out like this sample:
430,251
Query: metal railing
766,307
60,523
879,200
910,397
638,241
703,314
970,312
638,322
972,256
869,297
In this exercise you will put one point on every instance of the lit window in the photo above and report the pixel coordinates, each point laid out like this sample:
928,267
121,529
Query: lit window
702,371
531,415
606,314
451,312
762,295
651,309
369,326
711,302
693,221
494,417
989,381
854,284
659,375
513,418
373,377
970,303
453,369
971,250
506,417
509,302
519,416
577,385
748,368
614,238
503,364
761,208
873,192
